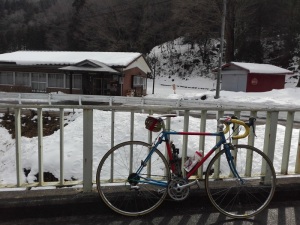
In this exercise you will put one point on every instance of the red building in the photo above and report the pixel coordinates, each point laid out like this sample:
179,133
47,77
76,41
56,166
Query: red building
252,77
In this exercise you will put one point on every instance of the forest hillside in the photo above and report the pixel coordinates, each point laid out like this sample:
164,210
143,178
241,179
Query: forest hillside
261,31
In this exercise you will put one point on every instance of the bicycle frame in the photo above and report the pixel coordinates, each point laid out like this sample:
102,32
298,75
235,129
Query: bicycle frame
166,134
164,137
239,179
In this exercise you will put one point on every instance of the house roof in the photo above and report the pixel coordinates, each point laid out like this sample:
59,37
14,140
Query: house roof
91,66
112,59
259,68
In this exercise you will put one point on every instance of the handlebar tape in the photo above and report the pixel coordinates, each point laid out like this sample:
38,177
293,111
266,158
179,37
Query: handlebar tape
245,125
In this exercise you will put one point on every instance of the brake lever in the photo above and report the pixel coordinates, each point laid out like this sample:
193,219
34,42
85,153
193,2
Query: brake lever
253,128
251,124
233,127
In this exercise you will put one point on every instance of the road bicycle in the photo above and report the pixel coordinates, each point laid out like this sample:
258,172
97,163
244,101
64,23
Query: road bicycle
134,177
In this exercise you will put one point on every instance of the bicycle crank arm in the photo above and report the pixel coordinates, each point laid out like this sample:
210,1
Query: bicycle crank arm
184,186
134,187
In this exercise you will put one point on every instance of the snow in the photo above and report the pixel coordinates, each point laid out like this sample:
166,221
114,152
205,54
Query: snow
262,68
73,132
101,67
168,72
197,87
68,57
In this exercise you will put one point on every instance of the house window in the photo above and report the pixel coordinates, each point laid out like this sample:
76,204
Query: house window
139,81
22,79
76,81
56,80
39,82
6,78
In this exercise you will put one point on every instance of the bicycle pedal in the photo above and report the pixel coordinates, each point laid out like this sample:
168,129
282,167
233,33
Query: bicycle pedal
161,191
134,188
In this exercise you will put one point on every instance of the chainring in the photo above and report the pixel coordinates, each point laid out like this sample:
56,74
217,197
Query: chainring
174,190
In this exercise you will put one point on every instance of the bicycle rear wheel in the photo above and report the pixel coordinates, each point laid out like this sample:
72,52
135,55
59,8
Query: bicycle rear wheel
246,197
127,191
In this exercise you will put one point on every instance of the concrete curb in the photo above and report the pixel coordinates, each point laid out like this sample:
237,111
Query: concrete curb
9,199
287,190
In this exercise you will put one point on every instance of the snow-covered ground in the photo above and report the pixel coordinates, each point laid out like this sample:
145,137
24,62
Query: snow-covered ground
73,133
196,87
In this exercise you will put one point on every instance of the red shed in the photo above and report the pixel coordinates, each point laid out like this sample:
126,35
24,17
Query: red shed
252,77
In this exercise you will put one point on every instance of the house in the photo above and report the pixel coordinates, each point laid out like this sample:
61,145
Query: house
252,77
88,73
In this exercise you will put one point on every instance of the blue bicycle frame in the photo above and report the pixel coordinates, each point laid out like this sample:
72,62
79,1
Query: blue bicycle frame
164,137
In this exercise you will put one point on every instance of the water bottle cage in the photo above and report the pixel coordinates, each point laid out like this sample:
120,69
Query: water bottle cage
176,160
175,150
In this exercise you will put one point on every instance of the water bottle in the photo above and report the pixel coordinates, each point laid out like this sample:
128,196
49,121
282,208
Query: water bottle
192,161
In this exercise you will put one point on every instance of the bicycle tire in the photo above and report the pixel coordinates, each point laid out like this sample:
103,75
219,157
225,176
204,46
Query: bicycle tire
228,194
136,198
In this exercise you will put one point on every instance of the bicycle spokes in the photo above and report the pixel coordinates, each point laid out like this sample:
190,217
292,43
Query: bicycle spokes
250,191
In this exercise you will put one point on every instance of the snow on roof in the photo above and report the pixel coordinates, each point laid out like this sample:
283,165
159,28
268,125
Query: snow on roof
260,68
76,68
95,66
121,59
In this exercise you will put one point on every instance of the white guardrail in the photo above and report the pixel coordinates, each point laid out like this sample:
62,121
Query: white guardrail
16,103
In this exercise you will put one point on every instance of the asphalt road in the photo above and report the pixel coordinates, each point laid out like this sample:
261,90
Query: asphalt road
91,210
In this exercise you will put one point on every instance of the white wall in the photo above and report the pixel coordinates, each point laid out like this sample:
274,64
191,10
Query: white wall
140,63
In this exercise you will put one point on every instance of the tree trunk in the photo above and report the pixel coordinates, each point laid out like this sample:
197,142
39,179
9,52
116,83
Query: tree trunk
229,34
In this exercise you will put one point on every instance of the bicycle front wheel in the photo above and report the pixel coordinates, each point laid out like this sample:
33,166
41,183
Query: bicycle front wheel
126,189
248,195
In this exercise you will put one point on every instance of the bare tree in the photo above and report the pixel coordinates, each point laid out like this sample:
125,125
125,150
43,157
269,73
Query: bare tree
117,25
198,22
58,18
197,19
243,28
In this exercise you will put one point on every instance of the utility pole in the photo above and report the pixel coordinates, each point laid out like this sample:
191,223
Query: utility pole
153,80
154,60
221,50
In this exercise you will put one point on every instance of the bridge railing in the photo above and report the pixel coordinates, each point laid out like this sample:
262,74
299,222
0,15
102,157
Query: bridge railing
283,148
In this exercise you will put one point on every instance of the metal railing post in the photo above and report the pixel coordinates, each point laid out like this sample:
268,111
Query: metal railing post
249,158
87,150
270,141
287,142
202,138
112,143
61,145
297,165
131,139
217,162
185,137
270,134
149,142
112,133
18,146
40,146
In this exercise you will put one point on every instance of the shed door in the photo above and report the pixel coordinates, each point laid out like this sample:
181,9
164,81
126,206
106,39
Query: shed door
234,82
240,83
